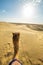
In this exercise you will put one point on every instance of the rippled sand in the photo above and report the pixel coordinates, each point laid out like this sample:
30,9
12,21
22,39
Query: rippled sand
30,43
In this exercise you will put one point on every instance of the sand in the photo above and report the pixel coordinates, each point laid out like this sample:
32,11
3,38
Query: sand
30,43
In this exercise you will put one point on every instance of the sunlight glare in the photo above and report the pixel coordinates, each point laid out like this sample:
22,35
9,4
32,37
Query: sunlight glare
28,11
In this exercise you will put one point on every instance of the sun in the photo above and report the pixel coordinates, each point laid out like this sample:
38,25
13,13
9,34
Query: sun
28,11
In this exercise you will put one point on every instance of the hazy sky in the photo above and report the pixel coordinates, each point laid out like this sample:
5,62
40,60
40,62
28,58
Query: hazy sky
22,11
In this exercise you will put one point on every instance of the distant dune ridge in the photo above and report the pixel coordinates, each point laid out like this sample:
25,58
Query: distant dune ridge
35,27
30,43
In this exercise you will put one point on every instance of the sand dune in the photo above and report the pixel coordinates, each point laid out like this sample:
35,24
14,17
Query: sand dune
35,27
30,44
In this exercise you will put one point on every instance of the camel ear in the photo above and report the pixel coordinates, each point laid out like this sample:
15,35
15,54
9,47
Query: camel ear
17,34
13,33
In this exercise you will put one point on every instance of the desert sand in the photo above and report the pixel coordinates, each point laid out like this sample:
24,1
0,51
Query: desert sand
30,43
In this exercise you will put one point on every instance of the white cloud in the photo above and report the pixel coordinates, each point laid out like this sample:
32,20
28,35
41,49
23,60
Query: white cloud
36,2
3,11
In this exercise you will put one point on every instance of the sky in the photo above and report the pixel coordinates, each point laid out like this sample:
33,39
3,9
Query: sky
21,11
